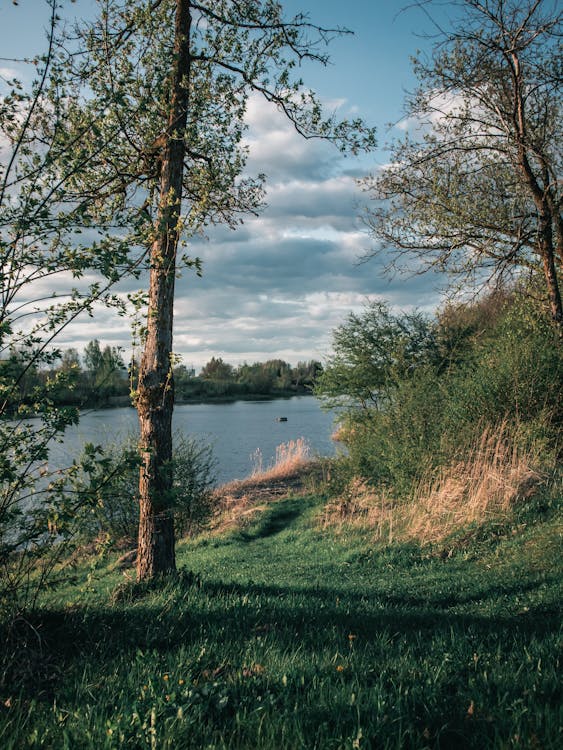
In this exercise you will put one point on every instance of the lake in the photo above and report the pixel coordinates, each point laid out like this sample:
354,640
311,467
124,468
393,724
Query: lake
235,429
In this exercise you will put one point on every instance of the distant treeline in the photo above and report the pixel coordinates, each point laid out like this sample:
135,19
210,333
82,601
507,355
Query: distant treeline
99,377
218,379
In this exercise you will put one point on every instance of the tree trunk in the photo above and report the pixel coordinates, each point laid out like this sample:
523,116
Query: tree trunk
155,399
545,244
540,194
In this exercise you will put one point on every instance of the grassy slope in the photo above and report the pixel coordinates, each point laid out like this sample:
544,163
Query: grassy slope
290,636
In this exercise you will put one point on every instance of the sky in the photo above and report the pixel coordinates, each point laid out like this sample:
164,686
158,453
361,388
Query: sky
277,286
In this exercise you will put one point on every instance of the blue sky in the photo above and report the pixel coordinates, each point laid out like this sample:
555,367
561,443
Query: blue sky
278,286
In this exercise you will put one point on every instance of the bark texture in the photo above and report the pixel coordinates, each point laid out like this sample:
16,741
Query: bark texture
539,186
156,554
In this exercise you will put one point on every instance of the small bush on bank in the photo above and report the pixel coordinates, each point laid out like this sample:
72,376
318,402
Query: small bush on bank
115,480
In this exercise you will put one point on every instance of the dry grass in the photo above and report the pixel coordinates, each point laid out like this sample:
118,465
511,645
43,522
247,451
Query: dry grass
340,434
359,506
485,485
237,502
290,457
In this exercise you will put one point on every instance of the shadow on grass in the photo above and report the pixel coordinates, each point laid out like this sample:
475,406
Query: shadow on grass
277,518
191,610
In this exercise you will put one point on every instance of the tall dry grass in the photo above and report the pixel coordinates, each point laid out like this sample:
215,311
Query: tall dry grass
486,484
290,457
239,501
361,507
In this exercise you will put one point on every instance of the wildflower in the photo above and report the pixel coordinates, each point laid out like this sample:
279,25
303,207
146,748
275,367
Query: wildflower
352,637
181,681
340,668
165,677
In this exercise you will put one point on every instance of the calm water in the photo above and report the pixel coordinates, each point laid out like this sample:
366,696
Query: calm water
236,430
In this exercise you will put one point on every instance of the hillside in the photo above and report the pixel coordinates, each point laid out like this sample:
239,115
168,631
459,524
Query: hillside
282,630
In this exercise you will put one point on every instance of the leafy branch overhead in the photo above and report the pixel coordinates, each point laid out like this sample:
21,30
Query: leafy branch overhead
474,188
122,90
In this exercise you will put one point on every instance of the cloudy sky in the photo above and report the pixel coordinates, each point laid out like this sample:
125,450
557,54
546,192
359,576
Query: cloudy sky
278,285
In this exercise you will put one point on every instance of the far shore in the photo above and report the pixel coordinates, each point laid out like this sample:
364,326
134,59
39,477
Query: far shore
121,401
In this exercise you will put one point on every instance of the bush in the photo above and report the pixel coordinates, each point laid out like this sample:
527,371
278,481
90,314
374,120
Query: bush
115,480
515,374
428,412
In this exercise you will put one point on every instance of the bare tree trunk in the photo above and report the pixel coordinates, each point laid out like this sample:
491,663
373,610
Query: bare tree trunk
547,253
540,193
156,389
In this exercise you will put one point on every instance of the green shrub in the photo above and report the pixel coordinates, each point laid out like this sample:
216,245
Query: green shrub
114,480
515,374
428,410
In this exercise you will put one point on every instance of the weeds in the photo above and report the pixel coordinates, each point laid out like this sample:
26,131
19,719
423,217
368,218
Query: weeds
494,477
290,457
486,484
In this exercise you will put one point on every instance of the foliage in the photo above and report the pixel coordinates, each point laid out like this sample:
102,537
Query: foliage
113,483
103,381
476,371
166,87
43,228
216,369
474,186
270,378
372,351
515,374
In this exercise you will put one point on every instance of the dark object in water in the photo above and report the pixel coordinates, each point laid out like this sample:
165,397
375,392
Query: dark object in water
281,419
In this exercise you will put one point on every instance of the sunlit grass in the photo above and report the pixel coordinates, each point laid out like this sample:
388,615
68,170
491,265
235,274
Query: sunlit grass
239,501
283,633
289,458
488,484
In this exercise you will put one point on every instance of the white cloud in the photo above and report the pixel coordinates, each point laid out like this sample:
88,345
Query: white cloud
283,281
440,106
8,73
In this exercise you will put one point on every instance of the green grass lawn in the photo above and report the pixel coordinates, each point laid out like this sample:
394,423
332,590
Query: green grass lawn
290,636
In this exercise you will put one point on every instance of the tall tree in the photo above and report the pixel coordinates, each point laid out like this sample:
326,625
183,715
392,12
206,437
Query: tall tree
170,80
93,357
70,360
217,369
475,187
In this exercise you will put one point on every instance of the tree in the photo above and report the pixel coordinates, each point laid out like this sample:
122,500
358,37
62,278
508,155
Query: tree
42,218
93,358
217,369
372,353
168,83
106,369
477,189
70,360
305,373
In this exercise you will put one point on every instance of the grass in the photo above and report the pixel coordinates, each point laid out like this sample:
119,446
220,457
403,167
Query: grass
290,457
282,632
487,485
